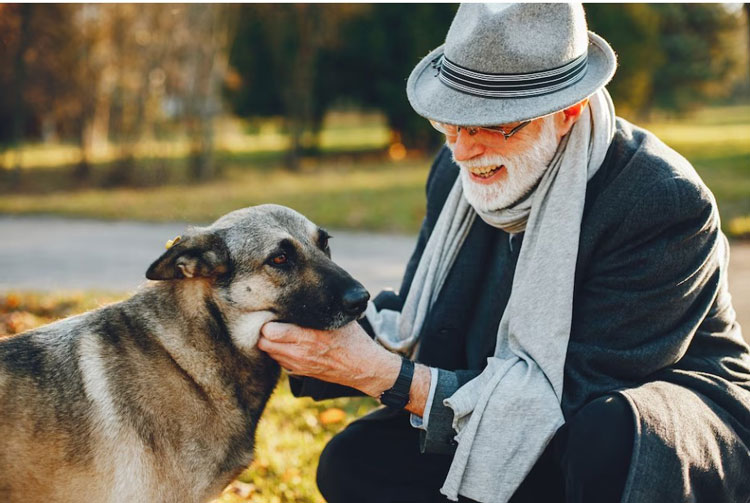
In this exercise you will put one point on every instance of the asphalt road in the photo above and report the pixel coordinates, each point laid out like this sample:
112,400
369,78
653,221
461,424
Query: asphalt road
47,253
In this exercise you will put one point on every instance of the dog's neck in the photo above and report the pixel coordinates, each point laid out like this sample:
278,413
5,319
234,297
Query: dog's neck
214,345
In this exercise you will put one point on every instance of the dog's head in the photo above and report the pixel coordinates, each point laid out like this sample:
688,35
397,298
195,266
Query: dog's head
269,259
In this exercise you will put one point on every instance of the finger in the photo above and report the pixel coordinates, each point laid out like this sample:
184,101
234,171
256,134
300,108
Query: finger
277,350
284,332
274,330
287,356
284,355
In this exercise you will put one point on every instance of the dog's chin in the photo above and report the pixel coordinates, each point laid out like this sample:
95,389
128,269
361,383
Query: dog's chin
245,328
323,323
341,320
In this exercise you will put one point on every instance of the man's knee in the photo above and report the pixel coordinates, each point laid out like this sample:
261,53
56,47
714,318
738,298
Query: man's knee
603,428
338,476
597,450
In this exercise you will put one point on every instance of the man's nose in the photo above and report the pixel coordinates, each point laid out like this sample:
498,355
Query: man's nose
466,147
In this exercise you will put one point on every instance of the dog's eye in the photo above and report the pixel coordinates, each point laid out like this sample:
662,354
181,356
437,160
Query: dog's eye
279,259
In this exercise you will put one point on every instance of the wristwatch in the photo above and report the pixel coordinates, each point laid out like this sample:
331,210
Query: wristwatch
398,396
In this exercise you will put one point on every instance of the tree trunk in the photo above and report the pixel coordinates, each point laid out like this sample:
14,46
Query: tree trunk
19,82
209,65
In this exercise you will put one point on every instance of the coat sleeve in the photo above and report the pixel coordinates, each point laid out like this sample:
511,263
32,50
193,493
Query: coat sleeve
438,438
320,390
647,288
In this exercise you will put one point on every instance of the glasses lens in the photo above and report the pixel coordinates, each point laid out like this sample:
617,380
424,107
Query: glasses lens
511,129
492,136
489,137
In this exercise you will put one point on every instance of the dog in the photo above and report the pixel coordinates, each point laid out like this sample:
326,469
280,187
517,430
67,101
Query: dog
157,398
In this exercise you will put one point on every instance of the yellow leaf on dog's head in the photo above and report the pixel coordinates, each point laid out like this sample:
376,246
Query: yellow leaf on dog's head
172,242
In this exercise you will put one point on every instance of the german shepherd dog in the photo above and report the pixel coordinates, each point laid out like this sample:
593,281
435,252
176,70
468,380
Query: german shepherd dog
157,398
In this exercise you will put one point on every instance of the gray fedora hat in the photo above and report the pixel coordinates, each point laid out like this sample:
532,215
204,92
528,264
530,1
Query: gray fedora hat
503,63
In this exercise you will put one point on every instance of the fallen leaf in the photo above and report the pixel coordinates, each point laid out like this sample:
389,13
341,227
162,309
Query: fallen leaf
331,416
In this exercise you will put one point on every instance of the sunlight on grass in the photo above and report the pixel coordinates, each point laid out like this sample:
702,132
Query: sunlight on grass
355,192
368,196
341,131
291,434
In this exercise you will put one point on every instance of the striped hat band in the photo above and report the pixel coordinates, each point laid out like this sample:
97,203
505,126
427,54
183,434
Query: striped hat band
509,85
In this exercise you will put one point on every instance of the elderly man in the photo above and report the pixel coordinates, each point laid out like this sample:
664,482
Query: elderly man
566,303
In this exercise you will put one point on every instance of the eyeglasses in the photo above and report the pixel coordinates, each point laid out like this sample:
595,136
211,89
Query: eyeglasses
487,135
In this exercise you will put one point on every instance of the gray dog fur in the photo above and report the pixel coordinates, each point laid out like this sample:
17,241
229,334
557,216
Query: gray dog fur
156,398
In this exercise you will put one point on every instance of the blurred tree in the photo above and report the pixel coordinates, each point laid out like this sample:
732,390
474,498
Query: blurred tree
276,57
84,80
114,73
170,63
671,56
44,83
206,50
123,74
24,13
633,32
381,50
298,60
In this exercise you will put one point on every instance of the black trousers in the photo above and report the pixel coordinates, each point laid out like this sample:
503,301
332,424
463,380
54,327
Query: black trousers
378,461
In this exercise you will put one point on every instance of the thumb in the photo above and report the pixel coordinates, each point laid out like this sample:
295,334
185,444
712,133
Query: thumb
274,330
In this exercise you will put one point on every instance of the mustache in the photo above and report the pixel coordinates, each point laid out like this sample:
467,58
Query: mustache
488,160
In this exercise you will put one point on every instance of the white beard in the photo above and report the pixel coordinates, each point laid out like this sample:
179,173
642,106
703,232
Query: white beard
524,170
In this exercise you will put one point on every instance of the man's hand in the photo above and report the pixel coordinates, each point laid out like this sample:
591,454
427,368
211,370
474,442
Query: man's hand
346,356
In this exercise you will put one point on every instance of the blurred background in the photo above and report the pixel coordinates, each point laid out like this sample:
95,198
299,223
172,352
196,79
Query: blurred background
205,108
181,113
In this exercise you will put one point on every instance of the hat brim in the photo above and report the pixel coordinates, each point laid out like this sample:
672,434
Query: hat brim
433,100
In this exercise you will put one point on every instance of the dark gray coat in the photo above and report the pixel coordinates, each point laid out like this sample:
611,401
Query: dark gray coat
652,318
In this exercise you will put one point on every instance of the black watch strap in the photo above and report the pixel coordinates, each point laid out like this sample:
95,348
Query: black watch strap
398,396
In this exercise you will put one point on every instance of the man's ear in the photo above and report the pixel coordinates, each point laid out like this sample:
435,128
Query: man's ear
197,256
576,110
565,119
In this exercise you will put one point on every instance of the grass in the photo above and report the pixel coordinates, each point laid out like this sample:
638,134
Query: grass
291,433
342,131
372,195
350,186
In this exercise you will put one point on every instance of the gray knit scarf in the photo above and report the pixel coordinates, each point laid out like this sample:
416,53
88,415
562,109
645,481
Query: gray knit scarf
507,415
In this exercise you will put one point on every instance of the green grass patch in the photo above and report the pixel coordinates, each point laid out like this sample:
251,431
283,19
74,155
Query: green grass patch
374,195
351,185
291,434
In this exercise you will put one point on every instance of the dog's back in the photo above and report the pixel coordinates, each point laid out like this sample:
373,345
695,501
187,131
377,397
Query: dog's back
97,406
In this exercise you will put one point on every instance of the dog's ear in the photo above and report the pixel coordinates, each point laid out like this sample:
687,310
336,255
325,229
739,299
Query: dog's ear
196,256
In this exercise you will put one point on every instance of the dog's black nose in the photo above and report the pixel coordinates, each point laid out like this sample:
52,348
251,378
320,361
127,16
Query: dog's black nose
355,300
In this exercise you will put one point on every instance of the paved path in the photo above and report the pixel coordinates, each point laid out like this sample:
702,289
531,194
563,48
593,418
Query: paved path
46,253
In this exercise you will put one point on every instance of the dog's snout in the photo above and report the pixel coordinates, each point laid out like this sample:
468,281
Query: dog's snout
355,300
